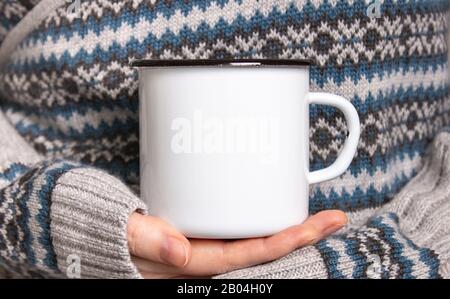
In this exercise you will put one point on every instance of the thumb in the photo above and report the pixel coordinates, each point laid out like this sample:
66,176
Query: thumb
153,239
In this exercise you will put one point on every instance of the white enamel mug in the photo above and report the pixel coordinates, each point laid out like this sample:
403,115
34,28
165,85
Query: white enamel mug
224,144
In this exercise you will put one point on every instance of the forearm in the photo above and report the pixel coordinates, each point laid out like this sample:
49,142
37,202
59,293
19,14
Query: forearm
60,210
50,210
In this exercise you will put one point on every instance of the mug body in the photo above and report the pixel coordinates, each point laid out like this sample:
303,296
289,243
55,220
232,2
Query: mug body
224,149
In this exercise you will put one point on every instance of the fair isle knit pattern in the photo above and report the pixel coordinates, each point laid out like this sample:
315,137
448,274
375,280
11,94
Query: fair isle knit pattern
25,237
68,90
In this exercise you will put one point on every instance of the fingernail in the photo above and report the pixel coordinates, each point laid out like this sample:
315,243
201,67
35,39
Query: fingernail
174,252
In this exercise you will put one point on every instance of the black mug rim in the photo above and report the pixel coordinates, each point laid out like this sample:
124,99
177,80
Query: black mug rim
219,62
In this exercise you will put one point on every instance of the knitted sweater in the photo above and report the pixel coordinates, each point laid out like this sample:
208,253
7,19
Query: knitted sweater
69,147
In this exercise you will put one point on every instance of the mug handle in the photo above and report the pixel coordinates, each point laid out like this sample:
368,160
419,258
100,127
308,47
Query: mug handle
348,152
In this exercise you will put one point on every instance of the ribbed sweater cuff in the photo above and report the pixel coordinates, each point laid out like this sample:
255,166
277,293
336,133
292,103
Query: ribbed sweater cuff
89,215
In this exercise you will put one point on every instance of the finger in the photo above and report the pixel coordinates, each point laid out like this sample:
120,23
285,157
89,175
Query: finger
154,270
147,275
209,257
153,239
249,252
244,253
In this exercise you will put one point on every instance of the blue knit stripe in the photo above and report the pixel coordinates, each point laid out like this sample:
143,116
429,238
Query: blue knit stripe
396,246
370,104
430,258
319,75
130,126
23,218
71,108
378,161
368,70
426,255
357,200
103,130
324,12
13,171
352,251
397,96
43,216
67,112
330,258
222,29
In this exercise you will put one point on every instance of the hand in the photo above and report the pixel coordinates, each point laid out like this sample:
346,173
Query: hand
160,251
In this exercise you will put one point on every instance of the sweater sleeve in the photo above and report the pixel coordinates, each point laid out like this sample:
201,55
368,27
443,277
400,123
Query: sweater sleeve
11,12
57,213
407,238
